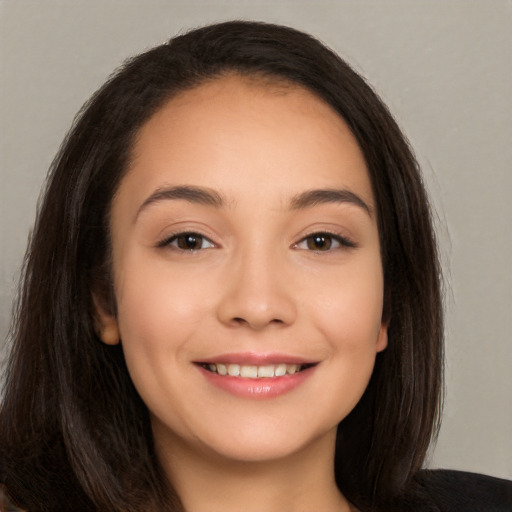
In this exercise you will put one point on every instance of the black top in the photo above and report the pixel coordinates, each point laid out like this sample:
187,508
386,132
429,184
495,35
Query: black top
457,491
432,491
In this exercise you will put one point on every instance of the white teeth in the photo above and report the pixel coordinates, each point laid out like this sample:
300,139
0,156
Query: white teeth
250,372
234,370
266,371
253,372
291,368
280,370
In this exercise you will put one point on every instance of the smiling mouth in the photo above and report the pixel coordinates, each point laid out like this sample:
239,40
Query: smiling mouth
255,372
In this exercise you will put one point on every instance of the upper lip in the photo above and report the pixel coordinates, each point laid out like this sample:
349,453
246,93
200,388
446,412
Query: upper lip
255,359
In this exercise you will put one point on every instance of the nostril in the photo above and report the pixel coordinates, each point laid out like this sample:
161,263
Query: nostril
242,321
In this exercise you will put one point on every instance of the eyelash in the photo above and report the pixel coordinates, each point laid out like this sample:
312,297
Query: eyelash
169,241
343,241
325,236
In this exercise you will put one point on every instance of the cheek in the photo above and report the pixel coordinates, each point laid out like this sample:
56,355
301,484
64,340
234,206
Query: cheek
349,310
159,310
154,295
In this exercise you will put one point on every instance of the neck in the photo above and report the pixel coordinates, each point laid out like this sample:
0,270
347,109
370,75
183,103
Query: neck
207,482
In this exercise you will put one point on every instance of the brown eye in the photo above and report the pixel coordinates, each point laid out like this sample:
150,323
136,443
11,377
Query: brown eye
319,242
187,242
324,242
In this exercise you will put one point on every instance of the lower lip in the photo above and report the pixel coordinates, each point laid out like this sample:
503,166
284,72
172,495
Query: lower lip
266,387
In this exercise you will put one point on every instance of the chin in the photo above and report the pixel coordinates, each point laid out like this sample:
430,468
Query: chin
257,451
264,442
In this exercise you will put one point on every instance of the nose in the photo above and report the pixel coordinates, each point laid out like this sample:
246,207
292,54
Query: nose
258,293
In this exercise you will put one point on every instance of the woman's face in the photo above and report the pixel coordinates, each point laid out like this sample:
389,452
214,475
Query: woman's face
245,240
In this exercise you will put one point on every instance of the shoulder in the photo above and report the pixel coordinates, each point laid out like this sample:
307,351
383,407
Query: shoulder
458,491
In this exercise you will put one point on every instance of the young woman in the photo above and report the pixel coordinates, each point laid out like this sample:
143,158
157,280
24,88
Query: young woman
231,300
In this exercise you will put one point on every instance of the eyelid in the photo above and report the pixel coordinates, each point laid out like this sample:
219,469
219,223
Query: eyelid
169,239
343,241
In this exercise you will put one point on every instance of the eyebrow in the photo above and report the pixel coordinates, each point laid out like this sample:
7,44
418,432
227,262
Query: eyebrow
312,198
197,195
208,197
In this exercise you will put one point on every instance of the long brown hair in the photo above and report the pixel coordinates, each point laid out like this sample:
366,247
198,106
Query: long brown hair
74,434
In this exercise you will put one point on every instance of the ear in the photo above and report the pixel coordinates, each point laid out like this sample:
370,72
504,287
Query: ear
105,322
382,337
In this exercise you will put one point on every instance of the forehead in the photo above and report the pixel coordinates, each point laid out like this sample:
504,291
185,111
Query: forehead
237,130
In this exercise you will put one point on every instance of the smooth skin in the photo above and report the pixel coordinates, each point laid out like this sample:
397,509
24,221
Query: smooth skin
242,258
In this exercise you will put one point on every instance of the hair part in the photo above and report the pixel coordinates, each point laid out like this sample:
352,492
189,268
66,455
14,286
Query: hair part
73,429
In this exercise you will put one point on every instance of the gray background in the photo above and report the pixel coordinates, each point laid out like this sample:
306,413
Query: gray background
443,67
